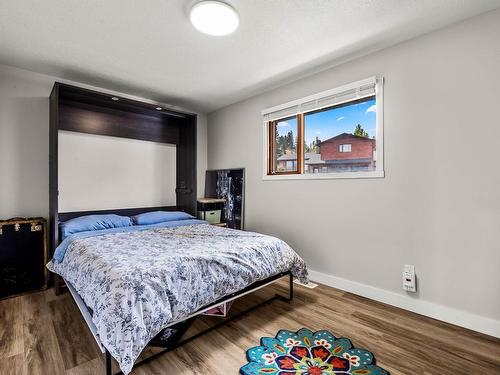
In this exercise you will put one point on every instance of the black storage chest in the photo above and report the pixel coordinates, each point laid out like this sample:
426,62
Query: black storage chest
23,255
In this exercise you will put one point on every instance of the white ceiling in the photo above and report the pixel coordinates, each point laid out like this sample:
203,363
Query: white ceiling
149,48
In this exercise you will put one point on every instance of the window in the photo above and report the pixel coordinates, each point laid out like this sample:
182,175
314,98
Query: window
334,134
345,147
283,133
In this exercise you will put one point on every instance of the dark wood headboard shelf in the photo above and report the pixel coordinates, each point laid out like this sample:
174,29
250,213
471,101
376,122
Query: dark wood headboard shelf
64,216
81,110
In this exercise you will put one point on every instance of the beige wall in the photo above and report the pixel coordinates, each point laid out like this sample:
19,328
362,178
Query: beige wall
438,206
24,144
98,172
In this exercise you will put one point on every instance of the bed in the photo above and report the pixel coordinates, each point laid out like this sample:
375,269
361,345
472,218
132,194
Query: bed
144,285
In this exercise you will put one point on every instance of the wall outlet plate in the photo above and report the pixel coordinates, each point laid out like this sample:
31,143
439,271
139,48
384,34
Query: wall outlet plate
409,279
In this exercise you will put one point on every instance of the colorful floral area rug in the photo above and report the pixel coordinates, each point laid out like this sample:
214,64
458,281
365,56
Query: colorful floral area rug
309,353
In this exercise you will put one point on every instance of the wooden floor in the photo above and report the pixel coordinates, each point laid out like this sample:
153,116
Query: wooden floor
44,334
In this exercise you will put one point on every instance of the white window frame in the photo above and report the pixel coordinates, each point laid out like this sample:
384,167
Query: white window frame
345,147
379,138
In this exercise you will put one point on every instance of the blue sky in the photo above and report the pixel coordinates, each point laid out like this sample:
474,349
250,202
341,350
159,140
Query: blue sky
330,123
285,126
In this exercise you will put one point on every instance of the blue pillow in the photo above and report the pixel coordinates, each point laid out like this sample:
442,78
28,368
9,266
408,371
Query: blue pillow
155,217
93,222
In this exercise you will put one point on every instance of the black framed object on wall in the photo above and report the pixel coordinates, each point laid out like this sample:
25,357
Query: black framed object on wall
228,184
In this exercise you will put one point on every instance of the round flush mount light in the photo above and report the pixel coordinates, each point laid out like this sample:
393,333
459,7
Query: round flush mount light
115,98
158,108
214,18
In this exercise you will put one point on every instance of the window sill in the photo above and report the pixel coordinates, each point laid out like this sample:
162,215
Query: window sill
325,176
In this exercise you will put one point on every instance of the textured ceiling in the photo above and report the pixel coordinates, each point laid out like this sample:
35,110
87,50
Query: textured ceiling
149,48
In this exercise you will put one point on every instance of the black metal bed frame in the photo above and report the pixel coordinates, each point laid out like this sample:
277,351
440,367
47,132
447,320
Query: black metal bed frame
175,340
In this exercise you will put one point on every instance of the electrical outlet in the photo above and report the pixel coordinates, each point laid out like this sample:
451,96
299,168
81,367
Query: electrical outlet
409,282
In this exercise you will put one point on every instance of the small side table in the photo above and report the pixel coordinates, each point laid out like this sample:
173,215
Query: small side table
210,209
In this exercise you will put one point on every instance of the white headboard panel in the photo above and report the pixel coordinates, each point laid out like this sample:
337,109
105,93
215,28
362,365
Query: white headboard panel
100,172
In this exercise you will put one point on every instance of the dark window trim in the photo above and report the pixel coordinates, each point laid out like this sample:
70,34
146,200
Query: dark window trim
271,159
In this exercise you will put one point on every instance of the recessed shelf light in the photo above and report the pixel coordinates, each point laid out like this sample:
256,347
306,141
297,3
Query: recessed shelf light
159,108
214,18
115,98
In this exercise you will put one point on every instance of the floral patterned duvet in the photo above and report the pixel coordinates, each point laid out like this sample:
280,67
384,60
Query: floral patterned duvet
136,282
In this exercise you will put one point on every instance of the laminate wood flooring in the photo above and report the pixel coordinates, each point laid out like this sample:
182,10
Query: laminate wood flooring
44,334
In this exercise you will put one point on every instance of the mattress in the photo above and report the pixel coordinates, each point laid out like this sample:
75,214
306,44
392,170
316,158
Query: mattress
137,281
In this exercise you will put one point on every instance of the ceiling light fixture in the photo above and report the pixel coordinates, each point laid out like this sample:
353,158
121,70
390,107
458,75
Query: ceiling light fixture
158,108
214,18
115,98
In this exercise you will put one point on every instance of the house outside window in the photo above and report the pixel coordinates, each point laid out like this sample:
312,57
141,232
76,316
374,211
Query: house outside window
334,134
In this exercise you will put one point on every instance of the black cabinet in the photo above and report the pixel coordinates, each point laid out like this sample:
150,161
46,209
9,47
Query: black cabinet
23,255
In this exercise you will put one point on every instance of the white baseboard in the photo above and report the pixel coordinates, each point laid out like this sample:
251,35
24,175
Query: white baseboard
447,314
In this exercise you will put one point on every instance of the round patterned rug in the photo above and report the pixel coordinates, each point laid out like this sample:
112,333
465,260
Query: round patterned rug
309,353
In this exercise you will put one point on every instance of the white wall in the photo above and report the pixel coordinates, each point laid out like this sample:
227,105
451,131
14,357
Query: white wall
438,206
24,143
99,172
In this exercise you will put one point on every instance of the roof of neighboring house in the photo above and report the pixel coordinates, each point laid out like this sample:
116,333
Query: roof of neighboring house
313,159
291,156
310,158
347,135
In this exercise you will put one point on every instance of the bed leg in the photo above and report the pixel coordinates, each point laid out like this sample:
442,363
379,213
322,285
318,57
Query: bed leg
57,285
109,368
290,292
